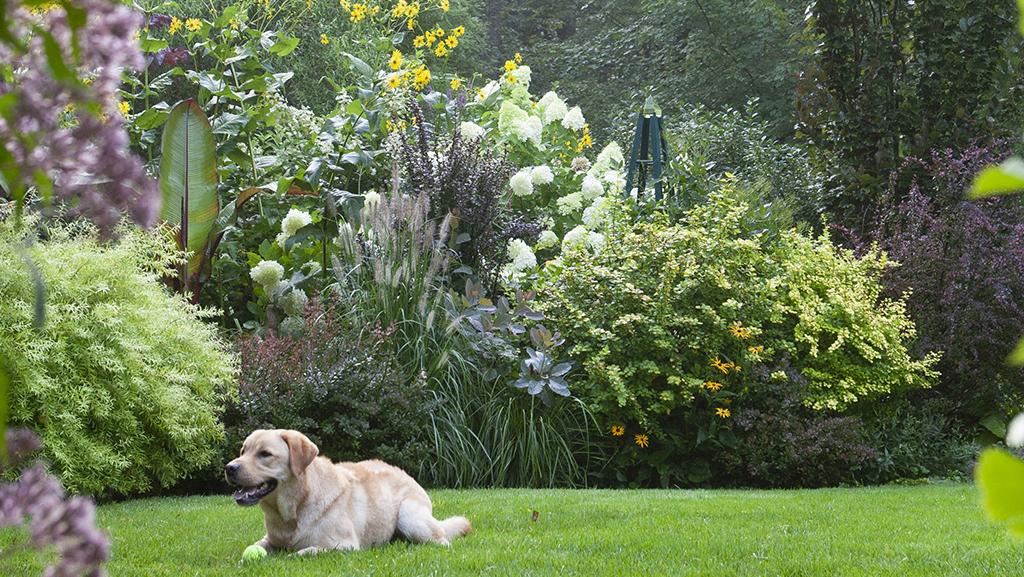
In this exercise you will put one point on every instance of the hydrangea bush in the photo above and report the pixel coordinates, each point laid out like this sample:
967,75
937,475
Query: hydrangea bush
559,183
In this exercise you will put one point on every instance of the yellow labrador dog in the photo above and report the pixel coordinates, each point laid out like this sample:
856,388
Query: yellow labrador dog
312,505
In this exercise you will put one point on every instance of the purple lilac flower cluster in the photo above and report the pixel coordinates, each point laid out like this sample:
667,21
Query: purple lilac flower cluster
67,524
88,160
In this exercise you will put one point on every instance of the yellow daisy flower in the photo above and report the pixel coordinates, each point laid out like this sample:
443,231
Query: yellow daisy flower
722,412
713,385
124,108
175,26
193,24
618,430
324,40
456,83
395,62
642,440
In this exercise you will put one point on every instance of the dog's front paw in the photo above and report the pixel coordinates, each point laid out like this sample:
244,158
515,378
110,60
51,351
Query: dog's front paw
308,551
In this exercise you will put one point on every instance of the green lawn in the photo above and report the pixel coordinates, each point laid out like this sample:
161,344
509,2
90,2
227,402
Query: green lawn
924,530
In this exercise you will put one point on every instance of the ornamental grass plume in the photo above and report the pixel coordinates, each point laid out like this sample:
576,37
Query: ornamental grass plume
62,129
54,520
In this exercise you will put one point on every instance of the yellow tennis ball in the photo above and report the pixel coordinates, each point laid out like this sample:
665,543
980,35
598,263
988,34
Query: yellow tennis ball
253,553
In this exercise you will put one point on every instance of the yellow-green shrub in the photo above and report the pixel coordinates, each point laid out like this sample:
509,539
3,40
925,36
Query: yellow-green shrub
124,381
647,314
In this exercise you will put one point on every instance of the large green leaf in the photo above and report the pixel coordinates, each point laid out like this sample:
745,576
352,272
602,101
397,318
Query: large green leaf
1006,178
1000,477
188,178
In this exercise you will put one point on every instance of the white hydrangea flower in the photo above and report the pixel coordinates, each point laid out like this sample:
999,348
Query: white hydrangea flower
547,239
471,130
521,183
530,129
521,255
1015,431
573,119
294,303
522,259
542,174
294,220
598,214
267,273
516,121
615,180
522,76
595,241
575,237
569,203
591,188
611,156
553,107
371,200
281,239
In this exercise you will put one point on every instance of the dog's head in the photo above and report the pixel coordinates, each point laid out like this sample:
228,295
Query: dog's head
268,458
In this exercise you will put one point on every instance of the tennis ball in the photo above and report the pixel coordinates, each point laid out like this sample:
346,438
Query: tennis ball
253,553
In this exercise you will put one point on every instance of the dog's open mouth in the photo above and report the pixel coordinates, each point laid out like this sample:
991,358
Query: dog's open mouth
251,495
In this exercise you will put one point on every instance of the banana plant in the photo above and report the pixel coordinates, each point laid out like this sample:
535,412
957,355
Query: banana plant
188,187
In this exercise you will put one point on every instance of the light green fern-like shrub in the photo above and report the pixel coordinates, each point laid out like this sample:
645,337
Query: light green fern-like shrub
124,381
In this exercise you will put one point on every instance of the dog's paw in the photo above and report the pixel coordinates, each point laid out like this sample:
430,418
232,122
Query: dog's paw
308,551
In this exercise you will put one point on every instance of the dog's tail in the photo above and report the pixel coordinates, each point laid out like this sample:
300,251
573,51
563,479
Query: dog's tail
456,527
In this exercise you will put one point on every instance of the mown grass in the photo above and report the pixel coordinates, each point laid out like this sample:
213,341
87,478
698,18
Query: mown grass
906,531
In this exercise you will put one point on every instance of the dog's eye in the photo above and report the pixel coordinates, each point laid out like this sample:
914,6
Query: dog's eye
264,454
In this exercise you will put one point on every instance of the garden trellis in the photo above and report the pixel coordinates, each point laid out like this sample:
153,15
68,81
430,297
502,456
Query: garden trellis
649,154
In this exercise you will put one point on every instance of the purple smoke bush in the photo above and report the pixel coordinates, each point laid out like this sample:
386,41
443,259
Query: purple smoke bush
963,263
87,160
53,519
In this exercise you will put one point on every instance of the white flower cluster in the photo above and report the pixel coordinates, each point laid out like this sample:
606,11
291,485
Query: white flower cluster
471,130
573,119
293,221
521,183
547,239
267,273
521,259
552,107
580,237
516,121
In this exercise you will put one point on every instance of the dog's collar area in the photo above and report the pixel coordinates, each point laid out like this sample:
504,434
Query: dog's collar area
251,495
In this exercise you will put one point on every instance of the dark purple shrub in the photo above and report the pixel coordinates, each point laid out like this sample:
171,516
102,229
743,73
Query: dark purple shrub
963,263
463,179
342,388
785,444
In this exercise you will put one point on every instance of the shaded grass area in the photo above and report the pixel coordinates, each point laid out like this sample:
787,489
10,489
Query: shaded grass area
923,530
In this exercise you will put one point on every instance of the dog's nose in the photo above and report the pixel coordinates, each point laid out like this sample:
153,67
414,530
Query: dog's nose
232,469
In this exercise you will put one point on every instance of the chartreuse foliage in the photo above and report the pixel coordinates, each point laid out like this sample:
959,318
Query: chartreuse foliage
676,326
865,532
123,381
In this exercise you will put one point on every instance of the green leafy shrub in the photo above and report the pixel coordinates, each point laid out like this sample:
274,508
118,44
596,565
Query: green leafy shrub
124,381
669,321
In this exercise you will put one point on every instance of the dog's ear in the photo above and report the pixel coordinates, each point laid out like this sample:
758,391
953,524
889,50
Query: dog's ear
301,451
